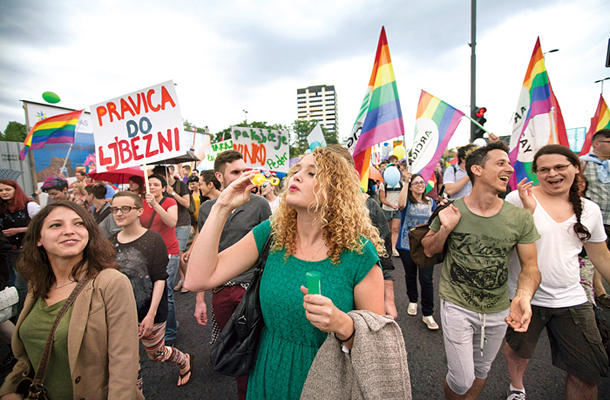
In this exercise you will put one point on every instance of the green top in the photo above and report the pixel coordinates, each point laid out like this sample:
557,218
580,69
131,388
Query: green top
289,342
34,332
475,268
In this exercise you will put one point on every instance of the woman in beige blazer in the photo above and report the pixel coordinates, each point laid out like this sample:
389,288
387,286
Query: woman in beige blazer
95,349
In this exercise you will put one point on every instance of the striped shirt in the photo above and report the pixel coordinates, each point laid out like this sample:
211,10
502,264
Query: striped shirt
598,192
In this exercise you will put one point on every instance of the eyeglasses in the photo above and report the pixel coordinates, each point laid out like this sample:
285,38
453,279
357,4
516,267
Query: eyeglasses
557,168
419,183
124,209
604,141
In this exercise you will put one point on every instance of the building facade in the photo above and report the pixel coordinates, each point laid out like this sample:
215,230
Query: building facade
319,103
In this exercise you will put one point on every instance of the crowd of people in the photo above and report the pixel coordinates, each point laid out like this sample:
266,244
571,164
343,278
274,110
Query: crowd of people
96,270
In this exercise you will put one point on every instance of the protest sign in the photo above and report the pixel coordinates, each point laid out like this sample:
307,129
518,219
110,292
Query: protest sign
262,148
137,128
211,151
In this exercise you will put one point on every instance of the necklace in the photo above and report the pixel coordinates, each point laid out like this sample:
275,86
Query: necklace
314,254
65,284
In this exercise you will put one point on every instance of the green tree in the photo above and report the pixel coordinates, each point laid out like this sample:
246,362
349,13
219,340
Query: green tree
14,132
300,130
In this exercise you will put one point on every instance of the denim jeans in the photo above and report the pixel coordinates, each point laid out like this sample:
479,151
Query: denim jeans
182,234
172,324
15,279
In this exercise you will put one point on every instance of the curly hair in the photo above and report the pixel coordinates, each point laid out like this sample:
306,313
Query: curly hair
19,201
574,196
338,203
34,265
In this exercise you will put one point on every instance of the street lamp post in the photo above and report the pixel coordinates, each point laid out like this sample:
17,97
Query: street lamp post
602,82
245,116
550,51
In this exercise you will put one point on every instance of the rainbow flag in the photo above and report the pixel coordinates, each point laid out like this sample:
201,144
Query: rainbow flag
57,129
435,123
537,121
431,183
601,120
383,119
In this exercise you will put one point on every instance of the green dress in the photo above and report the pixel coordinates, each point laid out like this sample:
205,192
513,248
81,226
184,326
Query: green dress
289,342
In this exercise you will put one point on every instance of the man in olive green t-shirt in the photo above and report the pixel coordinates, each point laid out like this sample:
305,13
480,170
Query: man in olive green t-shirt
480,231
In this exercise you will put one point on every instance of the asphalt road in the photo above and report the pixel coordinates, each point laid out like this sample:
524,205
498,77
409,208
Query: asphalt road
427,362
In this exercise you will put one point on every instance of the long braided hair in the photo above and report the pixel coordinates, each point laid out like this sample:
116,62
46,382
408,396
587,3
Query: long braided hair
574,195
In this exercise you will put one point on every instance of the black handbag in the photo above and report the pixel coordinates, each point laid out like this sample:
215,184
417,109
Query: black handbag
32,388
234,351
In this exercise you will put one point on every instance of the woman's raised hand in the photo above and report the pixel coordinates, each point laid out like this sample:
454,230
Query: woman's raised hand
525,194
150,199
238,192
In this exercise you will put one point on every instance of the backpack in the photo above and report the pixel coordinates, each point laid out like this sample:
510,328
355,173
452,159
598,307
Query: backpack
416,235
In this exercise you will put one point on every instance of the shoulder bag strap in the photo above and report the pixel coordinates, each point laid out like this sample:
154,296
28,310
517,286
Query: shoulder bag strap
46,354
265,253
150,221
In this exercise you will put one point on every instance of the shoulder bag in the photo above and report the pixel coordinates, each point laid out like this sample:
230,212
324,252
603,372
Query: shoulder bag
32,388
234,351
416,235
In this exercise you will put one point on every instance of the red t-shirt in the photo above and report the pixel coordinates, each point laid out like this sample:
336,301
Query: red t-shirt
168,234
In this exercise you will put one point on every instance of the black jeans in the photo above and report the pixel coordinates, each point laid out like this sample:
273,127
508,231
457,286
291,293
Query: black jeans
425,281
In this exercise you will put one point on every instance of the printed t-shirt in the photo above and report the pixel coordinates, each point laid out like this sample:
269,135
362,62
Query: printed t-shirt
144,261
558,250
475,269
168,234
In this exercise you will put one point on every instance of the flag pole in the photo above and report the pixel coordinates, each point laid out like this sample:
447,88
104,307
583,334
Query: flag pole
476,123
31,155
63,167
146,178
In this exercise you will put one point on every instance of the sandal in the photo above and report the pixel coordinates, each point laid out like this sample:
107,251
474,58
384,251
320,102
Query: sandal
179,285
189,372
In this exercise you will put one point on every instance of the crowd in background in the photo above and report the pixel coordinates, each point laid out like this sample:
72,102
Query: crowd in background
104,258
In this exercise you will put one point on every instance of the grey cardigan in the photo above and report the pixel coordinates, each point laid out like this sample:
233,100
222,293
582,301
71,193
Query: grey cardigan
376,368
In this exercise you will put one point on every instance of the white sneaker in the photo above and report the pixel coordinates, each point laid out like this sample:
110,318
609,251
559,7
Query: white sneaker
429,320
395,253
412,310
516,395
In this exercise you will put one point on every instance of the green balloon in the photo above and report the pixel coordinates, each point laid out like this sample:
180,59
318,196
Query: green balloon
51,97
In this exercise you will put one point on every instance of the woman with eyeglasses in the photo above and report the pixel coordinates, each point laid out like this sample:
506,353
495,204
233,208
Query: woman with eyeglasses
567,223
160,214
142,256
415,209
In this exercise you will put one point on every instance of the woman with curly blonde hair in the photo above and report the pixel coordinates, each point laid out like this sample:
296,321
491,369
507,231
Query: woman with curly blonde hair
321,225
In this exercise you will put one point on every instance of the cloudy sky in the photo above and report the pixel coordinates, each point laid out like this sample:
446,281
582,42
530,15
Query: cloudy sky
229,56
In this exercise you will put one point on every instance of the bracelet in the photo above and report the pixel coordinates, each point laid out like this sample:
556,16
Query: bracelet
346,340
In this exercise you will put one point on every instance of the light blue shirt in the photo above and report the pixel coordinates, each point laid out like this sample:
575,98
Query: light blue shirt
453,175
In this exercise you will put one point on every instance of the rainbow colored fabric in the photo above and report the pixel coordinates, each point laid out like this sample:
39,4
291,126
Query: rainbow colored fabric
435,124
383,119
57,129
537,120
601,120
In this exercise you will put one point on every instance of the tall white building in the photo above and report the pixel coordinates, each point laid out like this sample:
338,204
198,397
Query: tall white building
319,103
